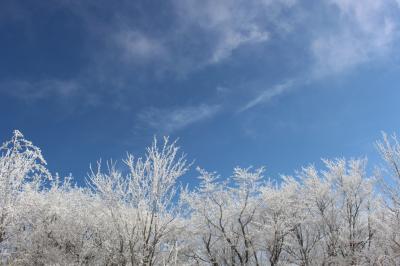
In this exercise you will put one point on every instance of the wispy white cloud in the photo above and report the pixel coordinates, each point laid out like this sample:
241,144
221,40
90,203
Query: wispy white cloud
232,24
358,32
137,47
267,95
36,90
363,31
208,32
231,40
170,120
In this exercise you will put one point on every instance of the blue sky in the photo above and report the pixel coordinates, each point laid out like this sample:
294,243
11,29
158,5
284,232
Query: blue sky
258,82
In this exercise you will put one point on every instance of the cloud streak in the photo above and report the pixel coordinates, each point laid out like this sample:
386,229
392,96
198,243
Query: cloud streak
167,121
267,95
37,90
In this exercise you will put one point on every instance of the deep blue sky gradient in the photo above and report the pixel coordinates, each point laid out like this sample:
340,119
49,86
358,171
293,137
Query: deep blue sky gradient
240,83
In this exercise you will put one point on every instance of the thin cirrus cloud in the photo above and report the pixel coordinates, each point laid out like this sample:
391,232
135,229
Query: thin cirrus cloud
267,95
36,90
363,31
136,46
200,34
360,33
231,24
169,120
232,40
354,32
210,31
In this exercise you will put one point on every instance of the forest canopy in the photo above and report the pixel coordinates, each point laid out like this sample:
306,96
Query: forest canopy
140,215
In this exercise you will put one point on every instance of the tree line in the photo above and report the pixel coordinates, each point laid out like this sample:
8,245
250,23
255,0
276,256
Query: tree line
139,214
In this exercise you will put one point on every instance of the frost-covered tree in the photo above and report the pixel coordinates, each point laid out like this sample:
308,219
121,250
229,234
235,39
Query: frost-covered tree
339,201
22,168
389,149
304,240
278,217
222,219
60,227
141,206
